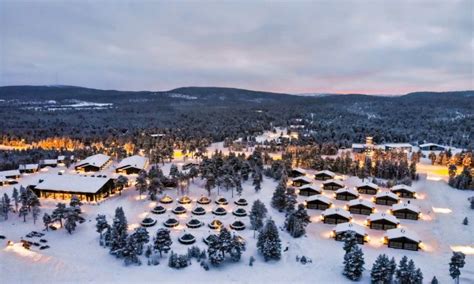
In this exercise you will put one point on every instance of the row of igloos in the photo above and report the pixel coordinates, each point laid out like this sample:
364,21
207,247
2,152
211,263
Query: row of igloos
188,239
219,211
203,200
216,224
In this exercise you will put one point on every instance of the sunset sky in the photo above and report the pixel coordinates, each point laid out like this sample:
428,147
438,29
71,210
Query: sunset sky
375,47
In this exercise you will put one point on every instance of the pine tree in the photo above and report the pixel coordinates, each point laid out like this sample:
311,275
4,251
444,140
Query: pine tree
380,273
465,221
118,233
141,182
354,264
257,214
224,244
392,267
140,237
402,274
257,180
129,252
59,213
47,220
434,280
279,197
457,262
23,212
16,198
269,244
297,221
72,217
350,241
290,200
101,224
35,213
162,242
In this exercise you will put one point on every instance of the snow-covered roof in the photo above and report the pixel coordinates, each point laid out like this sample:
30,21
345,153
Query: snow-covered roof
400,233
409,206
300,170
358,146
319,197
336,181
398,145
310,186
387,194
71,183
361,201
383,216
349,226
338,211
348,190
431,144
28,167
49,162
369,184
325,172
135,161
10,173
403,187
97,160
303,178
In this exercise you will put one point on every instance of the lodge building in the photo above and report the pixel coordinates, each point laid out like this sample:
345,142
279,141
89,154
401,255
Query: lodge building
300,181
361,206
318,202
86,188
404,191
346,194
402,239
132,165
386,198
342,229
368,188
382,221
28,168
93,163
309,190
335,216
333,184
406,211
296,172
324,175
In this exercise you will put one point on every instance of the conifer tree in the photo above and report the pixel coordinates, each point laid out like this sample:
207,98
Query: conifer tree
380,273
279,197
118,232
297,221
257,215
354,264
269,244
457,262
162,241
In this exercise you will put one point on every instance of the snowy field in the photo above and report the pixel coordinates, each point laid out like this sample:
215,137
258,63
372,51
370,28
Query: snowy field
79,257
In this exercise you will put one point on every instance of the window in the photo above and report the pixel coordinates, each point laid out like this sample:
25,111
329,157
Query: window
395,244
365,211
412,216
399,215
376,226
410,246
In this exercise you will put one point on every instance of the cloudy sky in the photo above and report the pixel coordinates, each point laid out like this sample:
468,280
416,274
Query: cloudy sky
377,47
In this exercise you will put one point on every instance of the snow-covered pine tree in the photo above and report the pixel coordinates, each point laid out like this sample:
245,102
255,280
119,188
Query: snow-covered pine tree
257,180
269,243
162,241
402,274
35,213
380,273
23,212
290,200
457,262
141,182
297,221
279,197
59,213
257,215
129,252
354,264
118,232
350,241
434,280
416,277
140,237
16,198
101,224
47,221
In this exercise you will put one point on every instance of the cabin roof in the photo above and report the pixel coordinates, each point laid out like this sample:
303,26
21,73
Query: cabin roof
319,197
350,226
431,144
369,184
348,190
97,160
49,162
336,181
300,170
361,201
10,173
303,178
383,216
325,172
337,211
134,161
71,183
28,167
402,233
310,186
387,194
409,206
403,187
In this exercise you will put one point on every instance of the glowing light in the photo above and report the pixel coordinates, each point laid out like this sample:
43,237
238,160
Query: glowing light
442,210
464,249
133,226
152,204
143,215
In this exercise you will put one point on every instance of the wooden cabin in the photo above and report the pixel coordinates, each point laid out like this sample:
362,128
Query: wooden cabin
404,191
93,163
382,221
300,181
346,194
309,190
386,198
333,184
368,188
132,165
10,174
406,211
318,202
86,188
361,206
28,168
342,229
324,175
48,163
296,172
402,239
335,216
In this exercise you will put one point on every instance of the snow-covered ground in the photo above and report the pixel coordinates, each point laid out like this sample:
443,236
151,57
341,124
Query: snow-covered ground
79,258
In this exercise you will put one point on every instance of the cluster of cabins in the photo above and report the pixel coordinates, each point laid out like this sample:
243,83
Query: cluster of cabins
342,217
